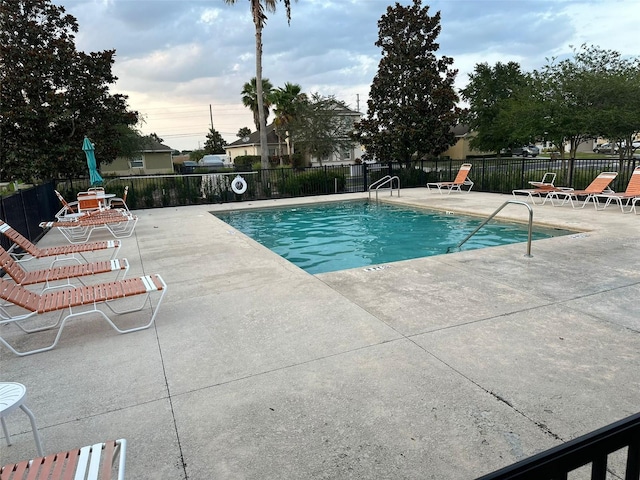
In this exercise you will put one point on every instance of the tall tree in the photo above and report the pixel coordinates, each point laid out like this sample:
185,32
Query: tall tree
243,132
215,143
250,99
614,86
412,102
48,87
594,93
487,93
288,101
258,8
154,136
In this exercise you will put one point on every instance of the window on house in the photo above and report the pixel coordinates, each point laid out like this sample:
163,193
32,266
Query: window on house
136,162
345,154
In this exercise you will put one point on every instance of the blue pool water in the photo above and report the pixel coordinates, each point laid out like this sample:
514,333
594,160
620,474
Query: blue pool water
337,236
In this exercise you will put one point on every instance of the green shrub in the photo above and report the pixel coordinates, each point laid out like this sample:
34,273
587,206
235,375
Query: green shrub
297,160
311,183
246,160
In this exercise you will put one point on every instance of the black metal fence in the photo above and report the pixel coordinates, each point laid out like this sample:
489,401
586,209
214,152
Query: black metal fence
497,175
591,449
25,209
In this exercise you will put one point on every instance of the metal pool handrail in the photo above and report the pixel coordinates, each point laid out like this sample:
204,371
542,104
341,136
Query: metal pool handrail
387,179
528,254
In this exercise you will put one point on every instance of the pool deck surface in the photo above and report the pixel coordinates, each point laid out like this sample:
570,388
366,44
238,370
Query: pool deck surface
445,367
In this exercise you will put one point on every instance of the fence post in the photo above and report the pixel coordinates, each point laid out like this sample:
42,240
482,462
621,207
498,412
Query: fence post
365,175
571,167
326,181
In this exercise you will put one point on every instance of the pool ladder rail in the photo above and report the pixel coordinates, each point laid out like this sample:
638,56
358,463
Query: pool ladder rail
386,180
518,202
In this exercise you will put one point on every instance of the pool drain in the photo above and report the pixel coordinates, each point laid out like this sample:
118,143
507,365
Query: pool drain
374,269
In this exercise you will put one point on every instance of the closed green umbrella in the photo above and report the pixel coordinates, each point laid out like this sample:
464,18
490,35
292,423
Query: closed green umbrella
94,175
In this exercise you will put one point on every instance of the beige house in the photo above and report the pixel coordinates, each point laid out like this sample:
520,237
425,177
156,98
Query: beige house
251,145
461,149
154,158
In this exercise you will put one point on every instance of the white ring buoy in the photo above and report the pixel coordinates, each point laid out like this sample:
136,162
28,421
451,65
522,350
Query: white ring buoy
239,185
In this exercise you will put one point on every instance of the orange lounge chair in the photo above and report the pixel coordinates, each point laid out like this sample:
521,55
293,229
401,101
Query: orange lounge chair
75,302
67,208
626,198
541,189
89,201
60,253
461,179
541,193
56,274
93,462
120,202
93,201
597,187
548,180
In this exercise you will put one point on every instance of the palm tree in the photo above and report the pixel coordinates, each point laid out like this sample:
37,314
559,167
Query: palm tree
250,98
258,8
287,101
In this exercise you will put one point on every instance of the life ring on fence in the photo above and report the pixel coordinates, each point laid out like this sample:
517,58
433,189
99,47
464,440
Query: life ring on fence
239,185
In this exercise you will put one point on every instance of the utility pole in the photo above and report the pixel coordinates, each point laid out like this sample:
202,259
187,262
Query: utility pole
211,116
357,102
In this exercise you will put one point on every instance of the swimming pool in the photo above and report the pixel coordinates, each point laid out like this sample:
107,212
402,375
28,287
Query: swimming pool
327,237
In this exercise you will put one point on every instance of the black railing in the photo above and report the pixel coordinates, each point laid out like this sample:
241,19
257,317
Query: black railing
496,175
591,449
502,175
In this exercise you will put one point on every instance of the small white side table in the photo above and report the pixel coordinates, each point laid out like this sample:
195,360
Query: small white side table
12,396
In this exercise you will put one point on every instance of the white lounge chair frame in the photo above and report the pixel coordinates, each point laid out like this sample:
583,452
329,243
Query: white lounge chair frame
118,222
93,462
628,198
597,187
78,301
51,277
541,189
548,180
462,179
58,253
120,202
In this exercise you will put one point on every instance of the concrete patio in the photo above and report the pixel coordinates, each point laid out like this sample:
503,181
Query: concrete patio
445,367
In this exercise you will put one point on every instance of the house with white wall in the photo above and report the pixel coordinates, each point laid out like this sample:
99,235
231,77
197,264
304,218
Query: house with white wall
250,145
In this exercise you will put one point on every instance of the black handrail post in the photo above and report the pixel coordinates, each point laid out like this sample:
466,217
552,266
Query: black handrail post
599,468
633,461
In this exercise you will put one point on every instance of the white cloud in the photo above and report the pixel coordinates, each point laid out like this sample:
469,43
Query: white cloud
210,15
179,56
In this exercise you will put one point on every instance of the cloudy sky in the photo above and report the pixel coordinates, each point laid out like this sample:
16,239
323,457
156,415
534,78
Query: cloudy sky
182,62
